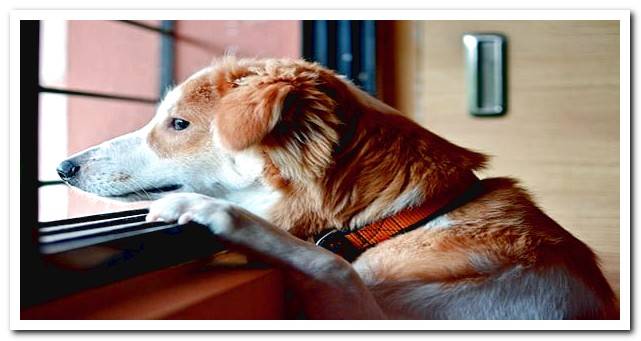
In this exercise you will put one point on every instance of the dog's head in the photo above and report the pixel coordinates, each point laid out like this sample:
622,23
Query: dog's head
210,134
255,131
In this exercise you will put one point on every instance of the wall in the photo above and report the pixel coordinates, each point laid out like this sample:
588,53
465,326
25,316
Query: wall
560,136
200,41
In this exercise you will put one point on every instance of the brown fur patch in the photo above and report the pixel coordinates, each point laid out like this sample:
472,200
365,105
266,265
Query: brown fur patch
247,114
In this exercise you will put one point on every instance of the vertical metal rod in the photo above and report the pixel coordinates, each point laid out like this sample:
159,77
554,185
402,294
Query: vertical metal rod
167,57
356,37
307,38
344,53
367,75
321,42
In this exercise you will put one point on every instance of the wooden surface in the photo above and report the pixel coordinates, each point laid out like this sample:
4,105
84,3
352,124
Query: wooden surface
190,291
396,59
560,136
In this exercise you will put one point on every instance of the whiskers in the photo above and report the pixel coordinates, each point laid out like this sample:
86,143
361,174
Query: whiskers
142,192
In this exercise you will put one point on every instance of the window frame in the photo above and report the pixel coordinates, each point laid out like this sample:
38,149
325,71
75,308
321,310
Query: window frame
354,38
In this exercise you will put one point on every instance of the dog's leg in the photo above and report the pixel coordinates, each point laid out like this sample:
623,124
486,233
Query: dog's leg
327,284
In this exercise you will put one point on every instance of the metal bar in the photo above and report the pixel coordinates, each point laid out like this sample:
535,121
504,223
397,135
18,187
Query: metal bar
95,217
96,239
96,95
355,32
96,231
42,183
367,74
321,42
344,55
139,218
307,42
162,30
331,44
167,58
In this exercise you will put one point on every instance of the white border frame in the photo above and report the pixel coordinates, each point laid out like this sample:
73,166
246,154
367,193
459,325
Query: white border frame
623,16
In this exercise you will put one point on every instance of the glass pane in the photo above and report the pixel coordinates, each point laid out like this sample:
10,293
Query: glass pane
69,124
53,202
61,202
100,56
92,121
53,53
52,139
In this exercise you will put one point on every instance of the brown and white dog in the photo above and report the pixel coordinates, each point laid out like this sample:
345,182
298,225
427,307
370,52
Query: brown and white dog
269,153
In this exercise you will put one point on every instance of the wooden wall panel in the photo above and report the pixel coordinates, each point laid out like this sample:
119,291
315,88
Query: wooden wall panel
560,136
396,59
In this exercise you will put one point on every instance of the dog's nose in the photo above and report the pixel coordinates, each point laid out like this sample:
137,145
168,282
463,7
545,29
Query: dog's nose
67,169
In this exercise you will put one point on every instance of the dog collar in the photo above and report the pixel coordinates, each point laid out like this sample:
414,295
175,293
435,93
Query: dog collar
351,244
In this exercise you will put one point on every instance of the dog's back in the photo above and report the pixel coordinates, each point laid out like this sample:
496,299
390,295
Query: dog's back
497,257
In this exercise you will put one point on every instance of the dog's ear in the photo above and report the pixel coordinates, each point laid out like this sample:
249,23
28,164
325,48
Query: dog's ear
245,114
288,110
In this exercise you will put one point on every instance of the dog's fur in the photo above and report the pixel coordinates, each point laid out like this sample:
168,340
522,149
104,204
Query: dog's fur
279,150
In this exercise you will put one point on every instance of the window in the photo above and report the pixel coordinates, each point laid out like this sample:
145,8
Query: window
84,82
101,79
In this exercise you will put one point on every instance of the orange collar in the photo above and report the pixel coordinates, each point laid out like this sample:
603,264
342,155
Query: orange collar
350,244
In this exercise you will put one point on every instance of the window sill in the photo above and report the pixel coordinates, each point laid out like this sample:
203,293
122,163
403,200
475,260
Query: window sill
193,290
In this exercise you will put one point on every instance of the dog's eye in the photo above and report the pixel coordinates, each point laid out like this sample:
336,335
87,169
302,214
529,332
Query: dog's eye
179,124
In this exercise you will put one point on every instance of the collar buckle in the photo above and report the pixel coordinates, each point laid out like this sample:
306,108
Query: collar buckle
336,242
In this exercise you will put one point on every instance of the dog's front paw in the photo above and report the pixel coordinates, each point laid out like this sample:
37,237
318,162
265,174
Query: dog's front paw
185,207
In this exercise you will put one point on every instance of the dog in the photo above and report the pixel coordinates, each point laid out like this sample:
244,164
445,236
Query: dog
369,215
